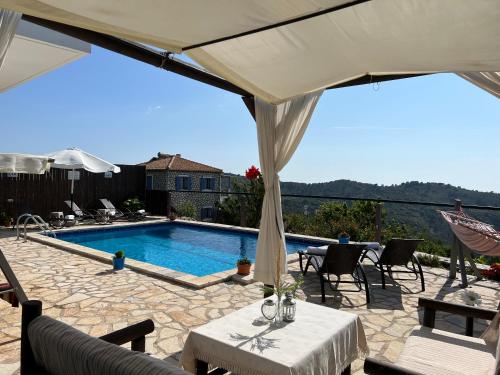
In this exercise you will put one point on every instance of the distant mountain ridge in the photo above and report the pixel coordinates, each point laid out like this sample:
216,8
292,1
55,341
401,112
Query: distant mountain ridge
420,217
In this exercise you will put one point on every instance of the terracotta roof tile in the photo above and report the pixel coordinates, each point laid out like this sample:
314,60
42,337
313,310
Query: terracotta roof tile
178,163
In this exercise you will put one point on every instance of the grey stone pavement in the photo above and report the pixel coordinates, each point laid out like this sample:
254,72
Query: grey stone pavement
91,297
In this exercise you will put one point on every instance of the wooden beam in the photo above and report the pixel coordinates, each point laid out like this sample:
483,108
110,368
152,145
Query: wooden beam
139,52
250,104
367,79
166,61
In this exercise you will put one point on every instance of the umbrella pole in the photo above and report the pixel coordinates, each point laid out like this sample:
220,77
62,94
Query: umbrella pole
72,187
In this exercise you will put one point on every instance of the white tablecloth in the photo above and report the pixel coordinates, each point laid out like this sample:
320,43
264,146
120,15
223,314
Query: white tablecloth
320,341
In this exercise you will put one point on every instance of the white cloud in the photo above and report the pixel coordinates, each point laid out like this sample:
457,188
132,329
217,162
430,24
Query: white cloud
152,108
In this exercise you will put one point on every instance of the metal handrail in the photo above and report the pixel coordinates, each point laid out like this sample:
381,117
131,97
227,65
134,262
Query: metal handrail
38,221
18,220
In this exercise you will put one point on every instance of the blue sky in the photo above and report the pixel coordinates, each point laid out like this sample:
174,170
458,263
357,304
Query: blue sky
438,128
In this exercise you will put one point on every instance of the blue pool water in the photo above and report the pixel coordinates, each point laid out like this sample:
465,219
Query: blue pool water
187,248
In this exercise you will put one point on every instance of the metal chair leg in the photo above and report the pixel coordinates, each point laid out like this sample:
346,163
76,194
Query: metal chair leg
365,281
300,262
382,275
421,273
308,263
322,281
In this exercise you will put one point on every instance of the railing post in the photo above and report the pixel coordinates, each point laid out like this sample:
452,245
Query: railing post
378,222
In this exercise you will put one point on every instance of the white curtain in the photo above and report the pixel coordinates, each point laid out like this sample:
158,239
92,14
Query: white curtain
8,25
489,81
280,128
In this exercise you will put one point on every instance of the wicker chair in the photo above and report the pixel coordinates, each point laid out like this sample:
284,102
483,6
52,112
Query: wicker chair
434,352
341,259
397,252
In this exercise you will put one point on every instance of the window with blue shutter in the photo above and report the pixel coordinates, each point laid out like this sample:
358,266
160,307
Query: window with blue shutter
207,183
183,183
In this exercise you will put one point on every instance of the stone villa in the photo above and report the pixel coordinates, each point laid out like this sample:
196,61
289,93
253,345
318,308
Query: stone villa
188,181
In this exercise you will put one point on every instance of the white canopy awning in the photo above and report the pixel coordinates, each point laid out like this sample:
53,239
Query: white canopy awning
23,163
374,37
35,50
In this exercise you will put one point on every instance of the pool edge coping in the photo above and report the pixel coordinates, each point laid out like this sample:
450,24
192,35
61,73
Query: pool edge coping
159,272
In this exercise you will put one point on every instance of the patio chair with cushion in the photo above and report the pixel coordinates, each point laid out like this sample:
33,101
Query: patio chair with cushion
321,251
397,252
49,346
341,259
435,352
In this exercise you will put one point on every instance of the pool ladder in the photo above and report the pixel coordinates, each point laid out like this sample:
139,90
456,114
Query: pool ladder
38,221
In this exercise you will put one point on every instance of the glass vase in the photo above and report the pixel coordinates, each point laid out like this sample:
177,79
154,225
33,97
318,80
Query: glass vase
278,319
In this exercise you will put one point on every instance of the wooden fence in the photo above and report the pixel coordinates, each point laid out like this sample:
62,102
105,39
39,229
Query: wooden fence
41,194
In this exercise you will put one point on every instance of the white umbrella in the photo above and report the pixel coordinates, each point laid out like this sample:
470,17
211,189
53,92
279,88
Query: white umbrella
74,158
24,163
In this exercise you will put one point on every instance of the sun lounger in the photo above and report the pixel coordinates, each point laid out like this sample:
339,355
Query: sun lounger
112,210
339,260
397,252
436,352
87,215
49,346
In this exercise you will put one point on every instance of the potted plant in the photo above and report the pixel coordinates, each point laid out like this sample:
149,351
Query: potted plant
119,260
4,219
244,264
344,237
172,216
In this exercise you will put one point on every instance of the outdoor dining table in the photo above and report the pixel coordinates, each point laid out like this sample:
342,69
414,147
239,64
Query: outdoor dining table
321,341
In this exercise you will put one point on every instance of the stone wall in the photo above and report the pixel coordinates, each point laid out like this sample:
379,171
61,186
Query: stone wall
165,180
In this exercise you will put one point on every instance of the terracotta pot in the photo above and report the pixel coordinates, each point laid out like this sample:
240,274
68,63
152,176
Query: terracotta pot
244,269
173,217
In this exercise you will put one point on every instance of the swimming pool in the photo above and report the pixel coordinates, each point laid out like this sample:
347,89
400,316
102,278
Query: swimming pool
193,249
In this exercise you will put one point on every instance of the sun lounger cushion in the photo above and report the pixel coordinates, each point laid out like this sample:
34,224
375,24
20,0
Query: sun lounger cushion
320,250
432,351
62,350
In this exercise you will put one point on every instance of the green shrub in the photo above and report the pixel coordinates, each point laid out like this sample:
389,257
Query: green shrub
429,260
243,260
119,254
186,209
133,204
484,259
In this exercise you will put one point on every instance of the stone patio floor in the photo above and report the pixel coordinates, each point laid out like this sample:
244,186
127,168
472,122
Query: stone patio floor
91,297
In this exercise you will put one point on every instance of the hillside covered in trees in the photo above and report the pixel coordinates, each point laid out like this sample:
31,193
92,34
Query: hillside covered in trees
421,218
